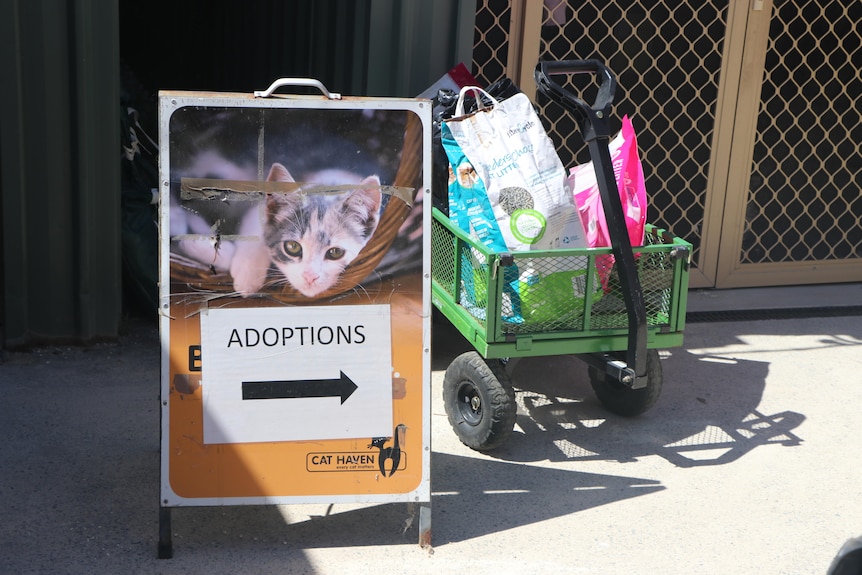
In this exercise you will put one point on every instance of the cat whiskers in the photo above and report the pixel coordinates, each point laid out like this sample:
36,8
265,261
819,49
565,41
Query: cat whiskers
356,289
276,281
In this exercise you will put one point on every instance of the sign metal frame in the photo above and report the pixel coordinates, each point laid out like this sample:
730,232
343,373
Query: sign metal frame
332,457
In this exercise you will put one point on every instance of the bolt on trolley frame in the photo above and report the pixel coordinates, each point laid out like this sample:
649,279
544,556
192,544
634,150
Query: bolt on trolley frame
619,304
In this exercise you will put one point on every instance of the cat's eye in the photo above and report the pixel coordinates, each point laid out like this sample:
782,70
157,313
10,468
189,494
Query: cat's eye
335,253
292,248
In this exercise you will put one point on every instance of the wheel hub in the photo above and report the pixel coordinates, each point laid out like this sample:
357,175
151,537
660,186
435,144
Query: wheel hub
470,403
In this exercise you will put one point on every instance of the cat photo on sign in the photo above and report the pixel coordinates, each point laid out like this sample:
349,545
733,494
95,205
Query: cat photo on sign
309,238
337,167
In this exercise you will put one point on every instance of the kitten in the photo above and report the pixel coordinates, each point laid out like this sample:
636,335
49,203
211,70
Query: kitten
310,238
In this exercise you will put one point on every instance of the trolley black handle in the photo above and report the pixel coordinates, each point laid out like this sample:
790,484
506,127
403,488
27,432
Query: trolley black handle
592,117
595,129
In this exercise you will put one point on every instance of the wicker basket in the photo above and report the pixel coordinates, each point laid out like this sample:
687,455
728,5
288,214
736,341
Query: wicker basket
200,278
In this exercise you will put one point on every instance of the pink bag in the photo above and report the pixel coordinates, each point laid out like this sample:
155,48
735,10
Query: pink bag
630,183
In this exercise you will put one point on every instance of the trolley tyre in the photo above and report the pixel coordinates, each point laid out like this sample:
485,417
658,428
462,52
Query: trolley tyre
479,400
622,400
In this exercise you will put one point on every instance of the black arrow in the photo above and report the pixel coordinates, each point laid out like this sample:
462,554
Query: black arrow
342,387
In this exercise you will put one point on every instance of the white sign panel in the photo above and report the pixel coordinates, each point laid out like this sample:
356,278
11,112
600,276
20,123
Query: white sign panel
296,373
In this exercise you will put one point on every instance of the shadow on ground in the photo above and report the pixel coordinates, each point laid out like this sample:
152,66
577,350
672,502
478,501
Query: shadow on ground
473,497
708,412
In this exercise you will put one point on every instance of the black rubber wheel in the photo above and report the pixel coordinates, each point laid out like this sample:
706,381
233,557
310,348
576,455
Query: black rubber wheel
622,400
479,400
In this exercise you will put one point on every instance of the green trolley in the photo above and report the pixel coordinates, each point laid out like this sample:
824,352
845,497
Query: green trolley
613,307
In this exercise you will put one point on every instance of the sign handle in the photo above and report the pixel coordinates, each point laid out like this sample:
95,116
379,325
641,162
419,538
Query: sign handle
281,82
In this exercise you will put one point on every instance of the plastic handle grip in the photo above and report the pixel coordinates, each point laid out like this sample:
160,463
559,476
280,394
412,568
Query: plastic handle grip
607,83
308,82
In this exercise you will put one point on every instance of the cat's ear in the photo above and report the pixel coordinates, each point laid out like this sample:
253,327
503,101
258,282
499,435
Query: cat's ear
370,195
278,173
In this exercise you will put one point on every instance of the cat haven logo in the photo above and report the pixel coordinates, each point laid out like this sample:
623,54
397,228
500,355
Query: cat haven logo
388,460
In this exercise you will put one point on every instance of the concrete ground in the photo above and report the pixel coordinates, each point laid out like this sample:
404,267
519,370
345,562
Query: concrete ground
748,464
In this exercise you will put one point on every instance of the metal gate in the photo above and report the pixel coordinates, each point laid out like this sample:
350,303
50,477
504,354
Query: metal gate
748,118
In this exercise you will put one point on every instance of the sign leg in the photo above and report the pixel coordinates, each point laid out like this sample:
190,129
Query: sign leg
166,545
425,525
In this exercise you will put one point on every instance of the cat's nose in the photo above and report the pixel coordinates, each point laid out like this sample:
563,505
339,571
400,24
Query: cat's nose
310,277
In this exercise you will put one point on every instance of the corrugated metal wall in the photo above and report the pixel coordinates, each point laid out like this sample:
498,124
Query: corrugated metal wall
241,46
60,209
59,104
356,47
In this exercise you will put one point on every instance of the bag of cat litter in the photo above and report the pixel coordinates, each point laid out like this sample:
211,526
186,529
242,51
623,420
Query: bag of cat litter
443,108
470,210
629,175
525,180
550,298
508,189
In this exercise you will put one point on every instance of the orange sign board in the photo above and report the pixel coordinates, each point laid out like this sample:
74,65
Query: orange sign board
295,299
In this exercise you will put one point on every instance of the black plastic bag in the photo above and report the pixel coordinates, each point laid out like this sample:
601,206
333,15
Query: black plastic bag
139,176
